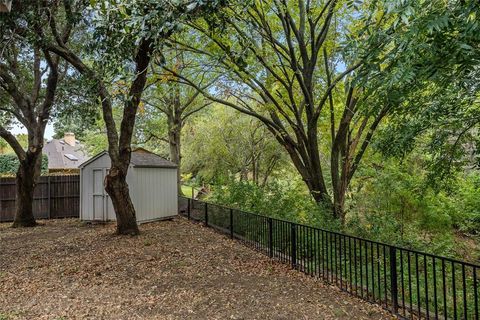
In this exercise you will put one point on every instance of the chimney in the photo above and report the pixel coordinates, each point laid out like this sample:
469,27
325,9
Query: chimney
69,138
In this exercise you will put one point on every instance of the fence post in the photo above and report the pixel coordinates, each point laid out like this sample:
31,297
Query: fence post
206,214
49,198
393,279
189,207
294,245
231,223
270,237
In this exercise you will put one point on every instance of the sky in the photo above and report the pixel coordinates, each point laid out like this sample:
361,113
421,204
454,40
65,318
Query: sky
21,129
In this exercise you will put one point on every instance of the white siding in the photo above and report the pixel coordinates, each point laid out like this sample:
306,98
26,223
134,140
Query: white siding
155,195
153,191
87,188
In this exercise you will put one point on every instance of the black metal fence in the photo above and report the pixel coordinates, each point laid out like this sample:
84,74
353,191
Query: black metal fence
409,283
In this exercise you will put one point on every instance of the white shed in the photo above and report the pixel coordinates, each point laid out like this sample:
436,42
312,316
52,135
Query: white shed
152,182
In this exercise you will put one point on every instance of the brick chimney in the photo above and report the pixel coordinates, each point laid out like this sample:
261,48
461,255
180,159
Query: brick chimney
69,138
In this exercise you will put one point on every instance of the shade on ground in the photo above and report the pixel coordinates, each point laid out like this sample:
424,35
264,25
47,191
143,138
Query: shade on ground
173,270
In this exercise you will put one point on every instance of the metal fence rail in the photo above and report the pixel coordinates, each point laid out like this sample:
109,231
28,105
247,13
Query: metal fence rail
409,283
54,197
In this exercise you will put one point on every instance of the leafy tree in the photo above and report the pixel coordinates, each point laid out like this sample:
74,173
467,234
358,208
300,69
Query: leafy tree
167,97
29,75
131,35
284,63
222,144
432,51
78,109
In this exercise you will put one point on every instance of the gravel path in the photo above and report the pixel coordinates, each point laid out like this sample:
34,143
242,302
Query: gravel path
173,270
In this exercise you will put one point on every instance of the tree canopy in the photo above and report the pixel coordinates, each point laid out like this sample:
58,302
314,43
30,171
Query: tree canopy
362,115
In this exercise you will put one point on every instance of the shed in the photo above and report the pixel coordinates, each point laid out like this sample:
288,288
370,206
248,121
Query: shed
152,182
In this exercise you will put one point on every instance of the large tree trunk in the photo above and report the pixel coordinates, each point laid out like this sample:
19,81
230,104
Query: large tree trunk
339,203
117,188
174,140
306,159
119,142
26,179
120,147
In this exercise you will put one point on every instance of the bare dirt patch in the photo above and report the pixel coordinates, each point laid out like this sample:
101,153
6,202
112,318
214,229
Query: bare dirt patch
173,270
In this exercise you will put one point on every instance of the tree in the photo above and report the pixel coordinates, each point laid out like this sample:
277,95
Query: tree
9,164
224,143
29,75
131,34
433,52
78,110
283,63
175,101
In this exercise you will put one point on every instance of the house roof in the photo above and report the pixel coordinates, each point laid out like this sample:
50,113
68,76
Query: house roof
61,155
140,158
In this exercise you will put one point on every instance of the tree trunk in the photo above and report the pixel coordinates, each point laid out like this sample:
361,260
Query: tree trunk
309,167
174,140
26,179
339,204
119,148
117,188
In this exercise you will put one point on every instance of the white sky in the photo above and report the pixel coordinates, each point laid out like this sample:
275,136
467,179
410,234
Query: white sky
21,129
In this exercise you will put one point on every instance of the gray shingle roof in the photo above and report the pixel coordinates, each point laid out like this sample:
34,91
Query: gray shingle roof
145,158
57,150
140,158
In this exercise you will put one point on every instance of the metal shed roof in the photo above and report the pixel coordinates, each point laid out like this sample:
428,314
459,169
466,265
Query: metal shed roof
140,158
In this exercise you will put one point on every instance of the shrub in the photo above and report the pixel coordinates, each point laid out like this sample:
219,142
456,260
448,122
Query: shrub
280,199
9,164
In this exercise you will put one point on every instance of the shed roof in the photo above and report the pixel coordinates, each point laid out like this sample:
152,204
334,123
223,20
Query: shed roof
140,158
144,158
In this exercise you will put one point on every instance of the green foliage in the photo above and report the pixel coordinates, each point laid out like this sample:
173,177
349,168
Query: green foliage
391,202
466,205
426,64
9,164
95,141
119,26
77,109
286,199
5,148
395,203
221,143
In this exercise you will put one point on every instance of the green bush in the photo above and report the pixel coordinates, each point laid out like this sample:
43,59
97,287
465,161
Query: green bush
396,204
279,199
9,164
396,207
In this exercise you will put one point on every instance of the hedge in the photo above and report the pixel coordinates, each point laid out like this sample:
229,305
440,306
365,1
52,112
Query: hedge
9,164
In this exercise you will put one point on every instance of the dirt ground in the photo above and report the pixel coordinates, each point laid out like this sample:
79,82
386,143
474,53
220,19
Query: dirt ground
173,270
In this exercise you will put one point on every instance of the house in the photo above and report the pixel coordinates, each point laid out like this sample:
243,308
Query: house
65,155
152,182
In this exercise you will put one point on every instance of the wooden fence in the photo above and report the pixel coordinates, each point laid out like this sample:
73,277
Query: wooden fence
54,197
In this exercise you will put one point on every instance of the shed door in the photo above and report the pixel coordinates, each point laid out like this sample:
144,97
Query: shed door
98,195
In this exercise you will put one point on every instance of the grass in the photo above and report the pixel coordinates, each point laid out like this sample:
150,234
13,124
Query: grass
189,191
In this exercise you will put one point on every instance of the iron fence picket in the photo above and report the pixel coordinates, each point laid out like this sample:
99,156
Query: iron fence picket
409,283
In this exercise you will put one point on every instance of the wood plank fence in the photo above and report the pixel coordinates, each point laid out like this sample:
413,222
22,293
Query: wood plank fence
54,197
